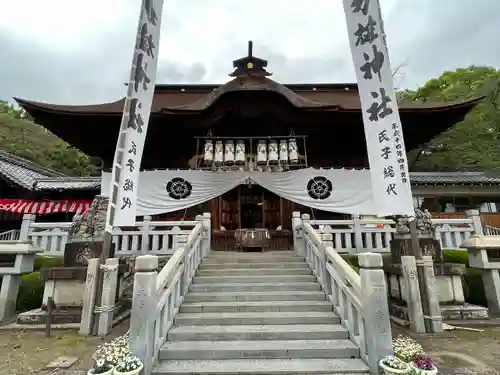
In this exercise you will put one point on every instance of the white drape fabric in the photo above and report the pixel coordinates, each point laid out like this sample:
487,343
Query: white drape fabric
333,190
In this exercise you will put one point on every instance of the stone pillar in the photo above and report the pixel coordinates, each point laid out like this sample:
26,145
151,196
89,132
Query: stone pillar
185,280
146,228
8,295
108,296
89,297
207,234
327,239
477,225
143,315
376,307
358,234
298,233
28,219
413,300
434,319
306,218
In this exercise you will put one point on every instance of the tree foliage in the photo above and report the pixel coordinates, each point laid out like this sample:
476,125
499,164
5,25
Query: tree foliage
22,137
472,144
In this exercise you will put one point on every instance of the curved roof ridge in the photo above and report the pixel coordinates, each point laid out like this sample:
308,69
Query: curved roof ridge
249,82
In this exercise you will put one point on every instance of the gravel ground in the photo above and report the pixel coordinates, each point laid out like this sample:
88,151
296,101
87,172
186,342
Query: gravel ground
29,352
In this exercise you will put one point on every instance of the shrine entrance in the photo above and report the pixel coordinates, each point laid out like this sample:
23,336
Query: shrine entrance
251,209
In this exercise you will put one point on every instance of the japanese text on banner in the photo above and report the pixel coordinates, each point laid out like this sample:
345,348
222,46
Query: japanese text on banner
383,130
136,112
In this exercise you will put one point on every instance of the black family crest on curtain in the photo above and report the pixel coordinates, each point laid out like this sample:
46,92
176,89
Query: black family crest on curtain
319,187
179,188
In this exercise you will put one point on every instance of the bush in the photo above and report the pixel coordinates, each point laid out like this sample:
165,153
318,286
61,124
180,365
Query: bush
30,293
43,261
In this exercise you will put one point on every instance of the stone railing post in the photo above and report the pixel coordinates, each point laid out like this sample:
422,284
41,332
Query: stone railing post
28,219
89,296
108,296
298,233
143,315
358,234
306,219
207,233
181,243
434,319
327,239
10,276
146,228
376,308
413,299
478,247
477,225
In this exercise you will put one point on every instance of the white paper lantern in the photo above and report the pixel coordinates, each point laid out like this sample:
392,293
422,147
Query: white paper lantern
293,152
219,153
208,155
272,152
240,153
261,153
229,153
283,152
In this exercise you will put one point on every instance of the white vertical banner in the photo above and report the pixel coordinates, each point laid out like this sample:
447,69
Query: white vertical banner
137,108
383,131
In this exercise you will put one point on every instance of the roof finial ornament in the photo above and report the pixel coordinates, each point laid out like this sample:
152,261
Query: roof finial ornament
250,65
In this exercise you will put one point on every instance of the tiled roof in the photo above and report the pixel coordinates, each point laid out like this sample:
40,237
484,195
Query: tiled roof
455,178
67,183
23,172
417,178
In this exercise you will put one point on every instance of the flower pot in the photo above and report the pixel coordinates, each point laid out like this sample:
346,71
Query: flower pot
109,372
390,371
418,371
133,372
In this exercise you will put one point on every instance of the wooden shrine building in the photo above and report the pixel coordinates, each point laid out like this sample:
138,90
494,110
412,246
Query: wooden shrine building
249,123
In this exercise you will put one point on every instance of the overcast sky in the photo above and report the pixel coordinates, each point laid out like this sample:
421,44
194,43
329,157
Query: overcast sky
80,51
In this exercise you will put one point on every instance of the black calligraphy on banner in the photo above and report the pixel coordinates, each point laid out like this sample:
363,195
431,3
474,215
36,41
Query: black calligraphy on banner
147,6
140,74
372,65
379,109
360,6
366,33
396,133
384,141
135,120
145,42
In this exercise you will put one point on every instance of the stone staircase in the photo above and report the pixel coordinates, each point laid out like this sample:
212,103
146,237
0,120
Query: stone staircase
257,313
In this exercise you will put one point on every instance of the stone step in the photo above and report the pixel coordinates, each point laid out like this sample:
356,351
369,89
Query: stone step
258,332
206,265
260,318
297,295
253,254
259,366
254,271
340,348
255,306
253,279
251,287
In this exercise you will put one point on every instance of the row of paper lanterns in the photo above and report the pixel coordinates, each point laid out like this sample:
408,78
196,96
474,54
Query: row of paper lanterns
267,152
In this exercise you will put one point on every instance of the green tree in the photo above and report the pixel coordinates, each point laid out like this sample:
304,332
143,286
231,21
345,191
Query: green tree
472,144
22,137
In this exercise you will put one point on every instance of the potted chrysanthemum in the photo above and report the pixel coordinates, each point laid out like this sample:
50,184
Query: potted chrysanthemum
109,355
101,367
392,365
422,364
405,348
130,365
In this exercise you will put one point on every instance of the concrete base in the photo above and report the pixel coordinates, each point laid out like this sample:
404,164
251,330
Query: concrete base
467,311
